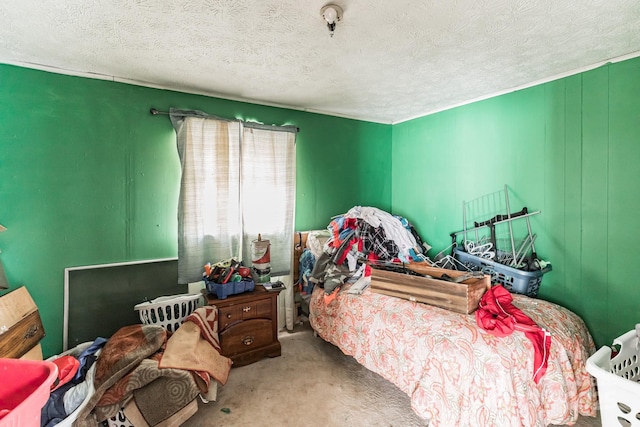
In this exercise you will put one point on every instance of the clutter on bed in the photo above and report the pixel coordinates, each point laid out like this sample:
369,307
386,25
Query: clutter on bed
498,316
513,279
488,244
362,234
307,250
307,246
617,374
516,361
454,290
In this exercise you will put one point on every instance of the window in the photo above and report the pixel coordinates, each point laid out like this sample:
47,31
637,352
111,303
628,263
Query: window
238,181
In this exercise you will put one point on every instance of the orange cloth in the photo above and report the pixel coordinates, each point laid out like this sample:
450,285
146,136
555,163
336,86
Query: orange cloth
331,296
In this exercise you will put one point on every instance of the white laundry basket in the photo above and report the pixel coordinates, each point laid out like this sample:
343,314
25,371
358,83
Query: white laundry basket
169,311
618,381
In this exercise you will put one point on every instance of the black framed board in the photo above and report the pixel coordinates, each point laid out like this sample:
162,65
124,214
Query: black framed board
99,299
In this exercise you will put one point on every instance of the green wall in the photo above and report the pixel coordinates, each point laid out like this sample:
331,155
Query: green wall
88,176
570,148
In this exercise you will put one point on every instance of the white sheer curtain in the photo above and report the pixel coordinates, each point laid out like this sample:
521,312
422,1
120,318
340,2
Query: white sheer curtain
238,181
268,192
268,180
209,211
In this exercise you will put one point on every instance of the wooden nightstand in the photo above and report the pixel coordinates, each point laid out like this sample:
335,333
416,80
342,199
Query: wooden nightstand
248,325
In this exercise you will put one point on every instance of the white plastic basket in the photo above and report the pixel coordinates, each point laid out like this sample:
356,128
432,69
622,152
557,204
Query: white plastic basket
169,311
617,379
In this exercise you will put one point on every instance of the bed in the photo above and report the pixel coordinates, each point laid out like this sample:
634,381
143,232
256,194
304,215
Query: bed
455,373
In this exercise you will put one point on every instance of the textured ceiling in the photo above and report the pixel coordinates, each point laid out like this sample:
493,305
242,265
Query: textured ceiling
388,61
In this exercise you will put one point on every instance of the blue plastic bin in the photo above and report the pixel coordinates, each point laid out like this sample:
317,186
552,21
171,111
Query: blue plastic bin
223,290
513,280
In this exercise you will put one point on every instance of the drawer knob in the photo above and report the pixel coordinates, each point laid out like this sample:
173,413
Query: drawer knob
31,332
246,309
247,340
228,315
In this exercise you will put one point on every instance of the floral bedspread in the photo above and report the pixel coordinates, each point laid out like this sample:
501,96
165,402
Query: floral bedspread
455,373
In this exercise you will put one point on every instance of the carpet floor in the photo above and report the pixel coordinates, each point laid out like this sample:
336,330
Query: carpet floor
312,384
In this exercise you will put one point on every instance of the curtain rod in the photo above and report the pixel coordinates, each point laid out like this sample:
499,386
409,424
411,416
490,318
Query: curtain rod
155,112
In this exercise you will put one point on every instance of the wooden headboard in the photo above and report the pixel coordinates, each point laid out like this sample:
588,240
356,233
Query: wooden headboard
299,244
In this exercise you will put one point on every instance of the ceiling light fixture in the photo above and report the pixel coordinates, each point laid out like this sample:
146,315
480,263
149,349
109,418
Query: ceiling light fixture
331,13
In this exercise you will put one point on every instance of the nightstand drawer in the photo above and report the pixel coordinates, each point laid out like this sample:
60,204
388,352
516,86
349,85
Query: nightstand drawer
249,310
246,336
248,325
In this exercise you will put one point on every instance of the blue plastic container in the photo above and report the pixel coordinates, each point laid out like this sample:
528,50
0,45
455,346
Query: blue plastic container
223,290
513,280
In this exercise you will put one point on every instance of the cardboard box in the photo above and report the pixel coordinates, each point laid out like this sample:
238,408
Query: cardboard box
458,297
20,326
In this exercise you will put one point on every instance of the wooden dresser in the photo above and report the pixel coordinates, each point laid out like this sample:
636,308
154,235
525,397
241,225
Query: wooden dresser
248,325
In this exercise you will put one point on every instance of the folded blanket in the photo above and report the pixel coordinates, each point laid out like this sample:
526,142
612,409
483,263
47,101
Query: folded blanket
158,393
121,354
195,346
135,417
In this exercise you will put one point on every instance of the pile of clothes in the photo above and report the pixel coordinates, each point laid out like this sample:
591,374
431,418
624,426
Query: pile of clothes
363,234
151,374
74,383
